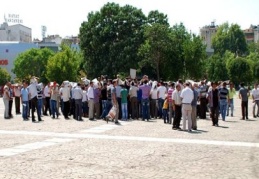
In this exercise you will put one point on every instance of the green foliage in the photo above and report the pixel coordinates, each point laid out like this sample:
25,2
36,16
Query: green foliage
240,70
217,70
4,76
32,63
110,39
64,65
229,38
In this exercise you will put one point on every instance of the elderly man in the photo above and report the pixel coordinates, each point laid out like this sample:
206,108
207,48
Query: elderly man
177,106
194,106
78,95
6,99
187,97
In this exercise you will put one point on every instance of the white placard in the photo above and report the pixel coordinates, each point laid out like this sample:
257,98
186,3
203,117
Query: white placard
133,73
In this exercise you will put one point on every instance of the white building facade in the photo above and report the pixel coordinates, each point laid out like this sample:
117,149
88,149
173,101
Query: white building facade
15,33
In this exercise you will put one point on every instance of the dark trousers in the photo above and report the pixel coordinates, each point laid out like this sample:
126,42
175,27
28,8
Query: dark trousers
153,108
203,108
17,105
66,108
72,108
78,109
214,112
244,106
47,106
165,116
119,102
10,107
134,107
34,104
177,116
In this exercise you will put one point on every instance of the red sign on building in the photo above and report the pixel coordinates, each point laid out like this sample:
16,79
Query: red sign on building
3,62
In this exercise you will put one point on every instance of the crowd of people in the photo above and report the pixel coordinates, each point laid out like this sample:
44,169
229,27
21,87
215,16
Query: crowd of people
130,99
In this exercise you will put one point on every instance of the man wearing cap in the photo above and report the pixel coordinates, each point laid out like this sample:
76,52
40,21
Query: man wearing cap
187,97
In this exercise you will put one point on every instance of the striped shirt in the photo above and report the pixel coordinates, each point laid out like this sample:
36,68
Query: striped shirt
223,93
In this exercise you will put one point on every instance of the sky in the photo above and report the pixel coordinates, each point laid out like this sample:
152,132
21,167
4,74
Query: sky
65,17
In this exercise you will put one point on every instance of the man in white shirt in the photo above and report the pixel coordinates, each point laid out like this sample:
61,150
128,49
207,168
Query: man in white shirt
46,94
161,92
34,101
17,94
90,95
187,97
177,107
65,92
78,95
6,99
255,96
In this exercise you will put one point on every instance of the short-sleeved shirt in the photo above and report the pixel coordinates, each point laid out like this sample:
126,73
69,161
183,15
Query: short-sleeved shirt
255,93
25,94
223,93
145,91
243,92
161,90
231,93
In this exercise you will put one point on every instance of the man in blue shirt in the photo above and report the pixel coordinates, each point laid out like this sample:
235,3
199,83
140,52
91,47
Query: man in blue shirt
25,100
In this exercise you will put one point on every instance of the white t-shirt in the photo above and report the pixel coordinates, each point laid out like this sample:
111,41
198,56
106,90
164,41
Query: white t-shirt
46,91
161,91
255,94
33,90
187,95
65,94
153,94
176,97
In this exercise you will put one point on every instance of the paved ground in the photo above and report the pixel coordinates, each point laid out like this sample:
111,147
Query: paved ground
59,148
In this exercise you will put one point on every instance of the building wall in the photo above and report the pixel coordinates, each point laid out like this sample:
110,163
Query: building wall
10,51
206,33
18,33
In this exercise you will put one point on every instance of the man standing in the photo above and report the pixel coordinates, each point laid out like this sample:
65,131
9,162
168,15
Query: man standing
187,97
203,101
17,94
47,99
6,99
223,100
177,107
25,100
213,97
78,95
34,101
133,100
90,95
170,101
104,100
231,93
145,100
255,96
194,106
161,91
243,95
66,98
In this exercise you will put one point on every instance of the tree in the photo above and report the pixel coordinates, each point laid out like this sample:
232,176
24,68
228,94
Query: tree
229,38
216,68
155,48
110,39
4,76
64,65
240,70
155,17
194,56
32,63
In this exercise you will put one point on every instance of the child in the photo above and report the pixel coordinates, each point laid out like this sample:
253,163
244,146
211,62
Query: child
165,111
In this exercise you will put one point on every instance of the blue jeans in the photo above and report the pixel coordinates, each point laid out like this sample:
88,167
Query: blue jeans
25,108
40,103
54,108
160,107
104,107
165,115
223,107
124,110
145,109
231,105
